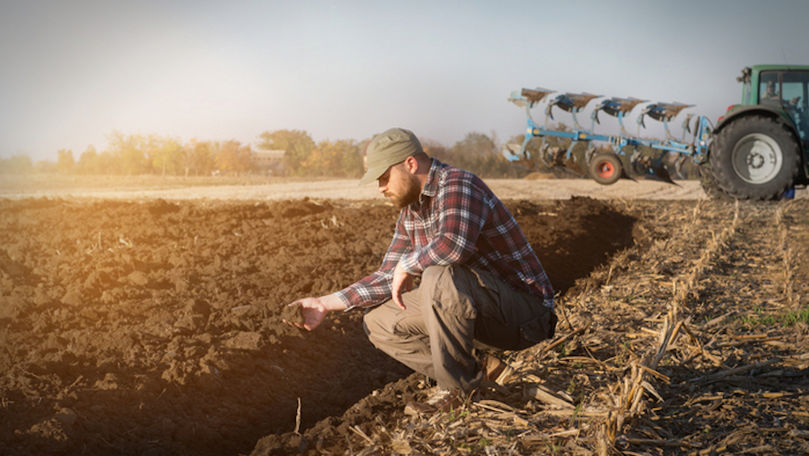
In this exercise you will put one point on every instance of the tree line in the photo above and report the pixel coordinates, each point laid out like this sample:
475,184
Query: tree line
136,154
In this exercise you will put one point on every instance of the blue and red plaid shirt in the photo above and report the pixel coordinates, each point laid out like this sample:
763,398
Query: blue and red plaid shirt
457,220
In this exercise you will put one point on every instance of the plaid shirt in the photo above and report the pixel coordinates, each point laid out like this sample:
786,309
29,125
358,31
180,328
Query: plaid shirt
457,220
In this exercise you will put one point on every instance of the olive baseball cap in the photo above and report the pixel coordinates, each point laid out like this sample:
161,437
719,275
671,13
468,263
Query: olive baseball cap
389,148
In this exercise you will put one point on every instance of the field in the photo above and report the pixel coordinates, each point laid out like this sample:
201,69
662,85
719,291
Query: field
141,319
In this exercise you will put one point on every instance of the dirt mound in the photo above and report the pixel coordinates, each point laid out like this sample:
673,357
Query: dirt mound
156,327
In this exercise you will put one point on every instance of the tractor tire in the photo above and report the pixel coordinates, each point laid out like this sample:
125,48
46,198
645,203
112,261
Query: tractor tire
755,157
709,185
605,168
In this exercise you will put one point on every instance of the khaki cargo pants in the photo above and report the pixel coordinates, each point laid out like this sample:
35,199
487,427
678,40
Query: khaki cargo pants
452,307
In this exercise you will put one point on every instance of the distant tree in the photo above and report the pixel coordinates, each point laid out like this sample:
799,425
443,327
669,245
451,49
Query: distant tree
479,154
150,145
434,149
351,160
333,158
64,162
129,150
234,158
296,144
473,145
88,161
18,164
199,158
167,156
109,163
91,162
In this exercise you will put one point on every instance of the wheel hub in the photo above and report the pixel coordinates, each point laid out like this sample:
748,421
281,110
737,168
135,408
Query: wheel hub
605,169
757,158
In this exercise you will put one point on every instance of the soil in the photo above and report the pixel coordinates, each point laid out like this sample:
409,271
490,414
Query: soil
292,314
156,327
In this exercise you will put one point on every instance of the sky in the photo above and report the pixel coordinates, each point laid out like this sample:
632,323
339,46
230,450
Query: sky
72,73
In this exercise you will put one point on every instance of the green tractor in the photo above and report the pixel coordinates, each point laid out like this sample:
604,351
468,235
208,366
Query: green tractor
760,147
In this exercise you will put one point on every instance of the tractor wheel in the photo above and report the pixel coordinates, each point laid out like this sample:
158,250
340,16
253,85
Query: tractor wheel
605,168
709,185
755,157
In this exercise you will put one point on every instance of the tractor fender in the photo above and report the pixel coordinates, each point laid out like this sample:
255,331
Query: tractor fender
755,110
763,110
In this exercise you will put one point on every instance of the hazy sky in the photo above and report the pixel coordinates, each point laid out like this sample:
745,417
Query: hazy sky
72,72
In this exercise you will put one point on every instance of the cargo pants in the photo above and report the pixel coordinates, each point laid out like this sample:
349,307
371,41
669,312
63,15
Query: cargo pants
453,307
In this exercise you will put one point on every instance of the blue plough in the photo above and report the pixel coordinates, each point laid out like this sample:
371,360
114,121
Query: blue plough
609,163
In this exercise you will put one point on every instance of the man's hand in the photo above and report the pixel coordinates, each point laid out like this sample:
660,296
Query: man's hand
402,281
314,310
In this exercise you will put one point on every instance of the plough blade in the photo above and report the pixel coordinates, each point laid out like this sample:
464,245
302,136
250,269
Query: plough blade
529,97
556,159
536,95
664,111
652,168
614,106
513,153
570,102
660,171
680,164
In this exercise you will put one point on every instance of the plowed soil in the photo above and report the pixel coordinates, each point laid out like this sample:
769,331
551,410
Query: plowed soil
155,327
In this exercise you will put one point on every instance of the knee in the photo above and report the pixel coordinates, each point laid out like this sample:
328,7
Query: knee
446,288
434,278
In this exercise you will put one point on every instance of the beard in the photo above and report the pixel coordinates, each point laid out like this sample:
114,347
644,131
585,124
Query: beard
410,195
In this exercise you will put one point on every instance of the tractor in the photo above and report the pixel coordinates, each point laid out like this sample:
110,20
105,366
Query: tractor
760,147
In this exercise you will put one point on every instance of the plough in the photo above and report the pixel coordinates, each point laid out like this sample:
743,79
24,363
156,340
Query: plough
609,157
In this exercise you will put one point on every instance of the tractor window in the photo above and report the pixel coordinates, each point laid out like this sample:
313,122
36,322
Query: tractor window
794,87
794,96
768,88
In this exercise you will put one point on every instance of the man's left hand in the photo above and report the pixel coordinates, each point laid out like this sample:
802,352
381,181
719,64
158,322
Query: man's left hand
402,281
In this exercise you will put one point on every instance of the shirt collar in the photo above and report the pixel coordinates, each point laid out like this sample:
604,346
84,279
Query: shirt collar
431,184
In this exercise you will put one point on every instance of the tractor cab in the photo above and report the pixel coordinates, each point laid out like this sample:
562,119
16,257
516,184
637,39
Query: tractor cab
780,88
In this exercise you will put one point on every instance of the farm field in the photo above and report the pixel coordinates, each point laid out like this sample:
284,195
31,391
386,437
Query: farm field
150,323
256,188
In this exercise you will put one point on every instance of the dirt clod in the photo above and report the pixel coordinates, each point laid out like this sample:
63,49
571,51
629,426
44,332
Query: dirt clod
292,314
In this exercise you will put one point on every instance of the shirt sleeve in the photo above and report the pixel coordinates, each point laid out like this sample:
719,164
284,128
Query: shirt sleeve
462,209
376,287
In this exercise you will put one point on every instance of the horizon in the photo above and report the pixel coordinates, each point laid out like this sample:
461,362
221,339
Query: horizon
219,72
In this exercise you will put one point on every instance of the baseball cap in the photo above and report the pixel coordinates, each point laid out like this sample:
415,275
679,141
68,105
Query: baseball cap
389,148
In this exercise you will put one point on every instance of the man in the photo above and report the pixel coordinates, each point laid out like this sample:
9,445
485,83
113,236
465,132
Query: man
479,278
770,94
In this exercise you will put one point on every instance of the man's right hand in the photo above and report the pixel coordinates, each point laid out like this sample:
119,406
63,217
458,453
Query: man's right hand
314,310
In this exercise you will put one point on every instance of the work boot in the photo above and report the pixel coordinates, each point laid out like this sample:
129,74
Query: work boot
438,401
